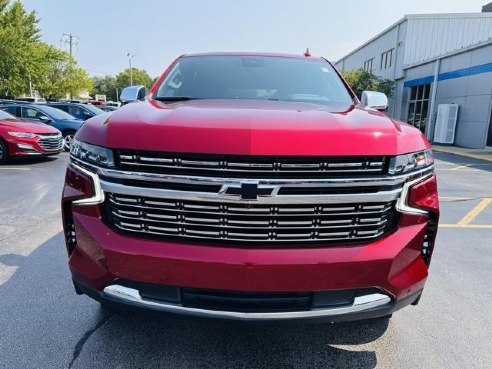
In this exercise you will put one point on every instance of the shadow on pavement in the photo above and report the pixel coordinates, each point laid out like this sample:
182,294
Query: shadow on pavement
16,161
45,324
132,339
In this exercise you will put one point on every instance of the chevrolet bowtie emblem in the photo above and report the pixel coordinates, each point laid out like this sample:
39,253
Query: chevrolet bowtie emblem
249,191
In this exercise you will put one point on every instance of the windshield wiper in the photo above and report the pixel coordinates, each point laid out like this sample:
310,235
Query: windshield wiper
175,98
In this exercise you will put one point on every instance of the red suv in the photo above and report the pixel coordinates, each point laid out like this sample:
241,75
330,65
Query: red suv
24,138
251,187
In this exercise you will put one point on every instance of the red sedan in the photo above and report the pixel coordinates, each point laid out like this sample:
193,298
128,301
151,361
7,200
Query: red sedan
23,138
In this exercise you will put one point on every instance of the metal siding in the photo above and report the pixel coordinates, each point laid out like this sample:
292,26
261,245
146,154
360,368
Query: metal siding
374,50
429,37
473,92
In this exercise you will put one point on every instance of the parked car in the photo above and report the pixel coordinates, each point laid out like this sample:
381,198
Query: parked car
10,101
64,122
116,104
79,111
38,100
22,138
107,108
251,187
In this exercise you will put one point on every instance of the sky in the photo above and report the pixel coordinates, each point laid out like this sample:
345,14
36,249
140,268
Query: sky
157,32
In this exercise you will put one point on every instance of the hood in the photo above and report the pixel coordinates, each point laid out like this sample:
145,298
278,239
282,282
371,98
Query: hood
18,125
251,127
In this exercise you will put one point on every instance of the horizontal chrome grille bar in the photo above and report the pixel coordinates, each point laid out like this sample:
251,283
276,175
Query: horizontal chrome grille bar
51,142
158,193
248,166
212,209
300,238
369,182
250,225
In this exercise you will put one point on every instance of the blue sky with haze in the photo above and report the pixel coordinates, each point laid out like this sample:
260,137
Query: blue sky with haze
158,31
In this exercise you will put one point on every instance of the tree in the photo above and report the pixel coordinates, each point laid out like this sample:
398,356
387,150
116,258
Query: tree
362,80
106,85
140,77
27,63
19,36
58,74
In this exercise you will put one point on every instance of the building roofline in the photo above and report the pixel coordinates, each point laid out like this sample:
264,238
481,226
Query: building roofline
386,30
415,16
449,15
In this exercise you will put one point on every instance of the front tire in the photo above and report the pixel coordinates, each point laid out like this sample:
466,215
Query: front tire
4,152
67,139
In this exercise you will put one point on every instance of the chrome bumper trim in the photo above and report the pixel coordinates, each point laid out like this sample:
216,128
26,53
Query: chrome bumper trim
98,197
361,304
402,203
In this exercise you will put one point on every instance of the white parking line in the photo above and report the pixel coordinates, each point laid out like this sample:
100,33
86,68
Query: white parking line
14,168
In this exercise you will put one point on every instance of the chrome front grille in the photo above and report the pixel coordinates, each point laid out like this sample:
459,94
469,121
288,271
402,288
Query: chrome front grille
249,222
255,167
51,142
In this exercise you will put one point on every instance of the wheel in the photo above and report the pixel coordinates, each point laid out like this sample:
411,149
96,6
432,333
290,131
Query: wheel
67,139
4,153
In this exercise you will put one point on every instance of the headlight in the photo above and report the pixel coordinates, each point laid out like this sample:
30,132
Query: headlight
92,154
23,134
411,162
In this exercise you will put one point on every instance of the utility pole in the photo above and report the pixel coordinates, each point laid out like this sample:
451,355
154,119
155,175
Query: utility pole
130,57
30,85
71,40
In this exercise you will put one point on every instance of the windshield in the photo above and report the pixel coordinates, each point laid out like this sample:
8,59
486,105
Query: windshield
93,109
5,115
254,77
54,112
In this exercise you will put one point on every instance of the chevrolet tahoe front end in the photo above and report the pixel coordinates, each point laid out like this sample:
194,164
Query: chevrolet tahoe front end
251,187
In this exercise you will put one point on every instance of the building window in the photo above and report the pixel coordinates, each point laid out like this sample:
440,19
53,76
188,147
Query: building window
368,65
387,59
418,106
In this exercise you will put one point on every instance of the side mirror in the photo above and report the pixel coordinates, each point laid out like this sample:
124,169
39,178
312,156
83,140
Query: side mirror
132,93
375,100
45,119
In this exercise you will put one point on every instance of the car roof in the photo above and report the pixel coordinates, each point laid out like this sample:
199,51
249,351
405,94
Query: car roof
63,103
22,104
278,55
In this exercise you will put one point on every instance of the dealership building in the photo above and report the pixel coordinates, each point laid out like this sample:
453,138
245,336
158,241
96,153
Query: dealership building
442,68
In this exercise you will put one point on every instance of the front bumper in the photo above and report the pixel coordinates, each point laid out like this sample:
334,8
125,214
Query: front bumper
383,275
369,306
392,265
29,147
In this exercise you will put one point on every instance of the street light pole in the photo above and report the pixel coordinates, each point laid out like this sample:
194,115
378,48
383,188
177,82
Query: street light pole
130,57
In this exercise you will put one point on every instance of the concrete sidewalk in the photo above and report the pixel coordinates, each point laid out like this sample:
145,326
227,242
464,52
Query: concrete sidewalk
481,154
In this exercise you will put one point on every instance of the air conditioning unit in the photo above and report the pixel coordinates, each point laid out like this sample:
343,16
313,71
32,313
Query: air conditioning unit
447,116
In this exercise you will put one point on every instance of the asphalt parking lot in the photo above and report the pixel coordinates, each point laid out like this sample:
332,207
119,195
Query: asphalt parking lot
44,324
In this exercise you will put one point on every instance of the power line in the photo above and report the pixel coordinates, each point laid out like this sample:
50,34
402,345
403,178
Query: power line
70,39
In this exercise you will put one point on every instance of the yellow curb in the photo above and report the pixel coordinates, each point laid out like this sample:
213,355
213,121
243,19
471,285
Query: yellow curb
463,154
